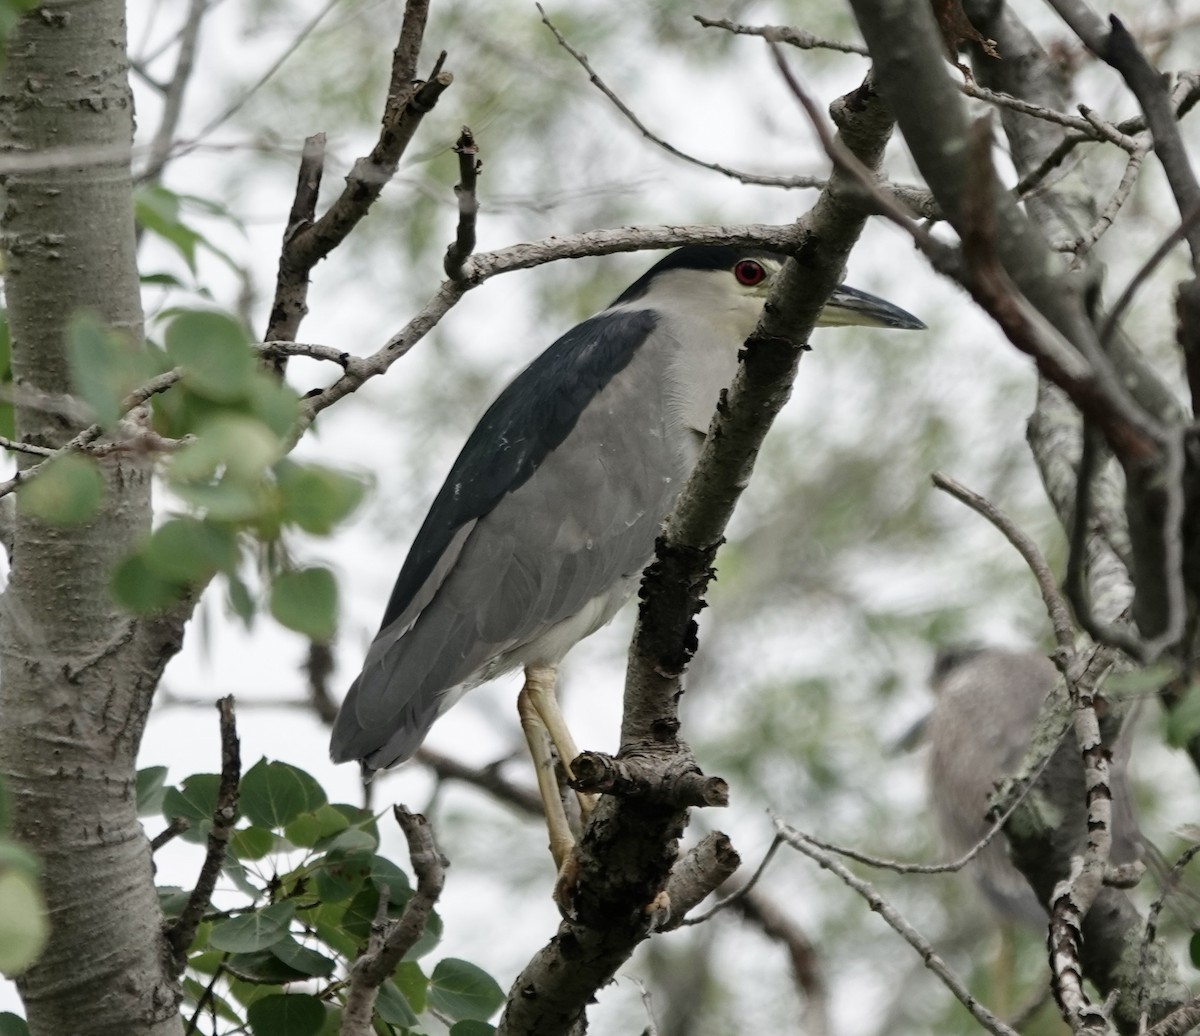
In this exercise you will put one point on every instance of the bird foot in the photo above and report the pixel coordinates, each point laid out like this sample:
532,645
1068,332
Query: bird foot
566,884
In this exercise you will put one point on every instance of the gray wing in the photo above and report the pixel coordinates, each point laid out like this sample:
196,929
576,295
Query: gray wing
582,520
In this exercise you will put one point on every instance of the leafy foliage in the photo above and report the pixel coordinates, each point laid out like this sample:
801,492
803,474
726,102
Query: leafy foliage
233,422
24,925
310,881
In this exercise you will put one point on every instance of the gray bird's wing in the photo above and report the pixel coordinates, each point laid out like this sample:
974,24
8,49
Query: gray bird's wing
557,495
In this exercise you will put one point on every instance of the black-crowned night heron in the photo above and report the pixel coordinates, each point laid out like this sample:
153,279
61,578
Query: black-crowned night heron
987,705
550,513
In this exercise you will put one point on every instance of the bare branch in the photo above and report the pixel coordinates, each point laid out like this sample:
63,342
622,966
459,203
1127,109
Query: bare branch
240,102
1073,897
173,830
1115,45
1056,607
183,929
696,875
164,136
793,37
610,903
929,957
789,182
308,240
468,205
733,897
391,940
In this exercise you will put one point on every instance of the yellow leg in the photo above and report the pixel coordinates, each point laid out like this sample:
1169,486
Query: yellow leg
537,737
542,696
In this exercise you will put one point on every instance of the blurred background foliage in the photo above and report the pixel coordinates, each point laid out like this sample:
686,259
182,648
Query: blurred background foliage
845,571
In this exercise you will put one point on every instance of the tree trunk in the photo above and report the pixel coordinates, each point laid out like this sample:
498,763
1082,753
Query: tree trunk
77,674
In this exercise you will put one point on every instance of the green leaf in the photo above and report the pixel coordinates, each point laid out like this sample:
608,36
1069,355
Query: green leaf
262,968
24,926
195,800
251,843
305,600
150,790
172,899
317,498
67,491
461,990
239,448
224,501
240,599
190,551
274,794
387,875
326,920
340,874
193,991
105,367
214,351
136,586
361,820
12,1025
471,1027
17,857
289,1014
311,827
360,913
247,993
304,959
157,210
275,403
256,931
412,982
1182,723
393,1008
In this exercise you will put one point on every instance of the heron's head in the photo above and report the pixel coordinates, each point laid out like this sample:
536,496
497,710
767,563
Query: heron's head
728,278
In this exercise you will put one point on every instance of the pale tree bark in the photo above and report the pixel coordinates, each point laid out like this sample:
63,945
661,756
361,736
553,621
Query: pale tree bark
78,673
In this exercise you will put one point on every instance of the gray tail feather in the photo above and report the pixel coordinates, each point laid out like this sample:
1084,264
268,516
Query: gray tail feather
381,745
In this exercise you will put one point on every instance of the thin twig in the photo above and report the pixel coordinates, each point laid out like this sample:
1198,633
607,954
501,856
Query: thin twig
929,957
26,447
468,205
1056,606
176,827
789,182
1170,882
1115,203
206,997
164,136
183,929
800,38
307,240
745,890
294,44
1144,271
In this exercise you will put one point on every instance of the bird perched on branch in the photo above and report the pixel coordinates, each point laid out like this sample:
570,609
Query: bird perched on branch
988,702
550,513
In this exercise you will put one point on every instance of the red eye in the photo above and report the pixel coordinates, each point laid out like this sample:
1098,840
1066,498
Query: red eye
749,272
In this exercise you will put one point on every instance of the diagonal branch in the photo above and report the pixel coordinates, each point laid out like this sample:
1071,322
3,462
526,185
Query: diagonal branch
164,136
628,847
